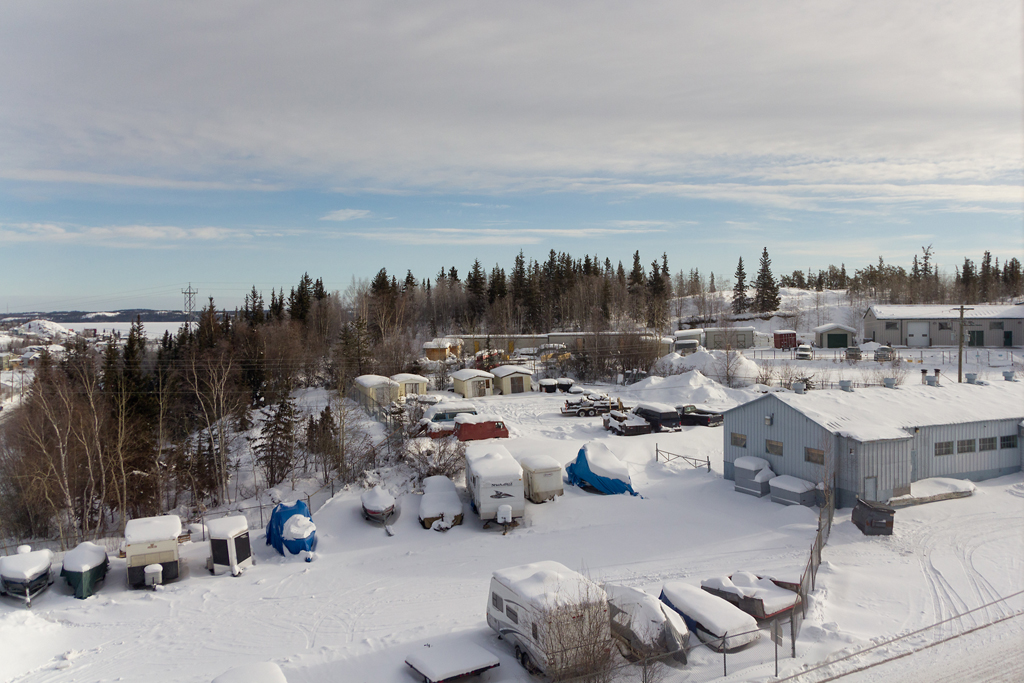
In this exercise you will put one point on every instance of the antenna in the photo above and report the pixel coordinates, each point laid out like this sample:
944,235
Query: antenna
190,305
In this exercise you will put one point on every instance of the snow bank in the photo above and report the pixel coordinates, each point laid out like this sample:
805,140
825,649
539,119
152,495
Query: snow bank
545,585
708,363
604,463
260,672
150,529
715,615
298,527
84,557
939,485
26,566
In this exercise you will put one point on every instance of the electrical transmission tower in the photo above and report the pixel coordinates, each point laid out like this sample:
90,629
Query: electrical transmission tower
190,305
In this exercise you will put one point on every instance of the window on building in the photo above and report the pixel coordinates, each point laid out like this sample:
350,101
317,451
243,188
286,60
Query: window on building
892,326
966,446
944,448
814,455
773,447
739,440
995,325
987,444
512,614
945,326
497,602
1008,441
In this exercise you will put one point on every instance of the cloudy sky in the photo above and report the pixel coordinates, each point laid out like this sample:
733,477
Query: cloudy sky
147,145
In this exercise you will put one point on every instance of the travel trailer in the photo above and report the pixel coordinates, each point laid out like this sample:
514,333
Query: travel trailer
494,480
152,541
555,619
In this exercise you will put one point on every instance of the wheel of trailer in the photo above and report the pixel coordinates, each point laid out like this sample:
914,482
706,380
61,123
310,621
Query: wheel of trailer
519,655
581,412
591,412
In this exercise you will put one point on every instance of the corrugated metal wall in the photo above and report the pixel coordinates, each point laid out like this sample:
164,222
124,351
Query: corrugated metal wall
977,463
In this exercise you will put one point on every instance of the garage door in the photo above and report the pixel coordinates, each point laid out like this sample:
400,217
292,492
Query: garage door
836,340
917,334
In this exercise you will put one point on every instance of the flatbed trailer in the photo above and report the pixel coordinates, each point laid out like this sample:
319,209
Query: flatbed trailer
451,662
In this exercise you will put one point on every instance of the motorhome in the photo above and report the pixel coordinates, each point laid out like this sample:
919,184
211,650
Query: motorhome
494,479
555,620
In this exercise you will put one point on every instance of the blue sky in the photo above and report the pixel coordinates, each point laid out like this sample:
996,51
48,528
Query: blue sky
149,145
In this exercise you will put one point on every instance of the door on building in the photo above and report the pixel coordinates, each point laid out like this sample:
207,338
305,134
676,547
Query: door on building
516,384
975,337
870,488
837,340
478,389
913,465
1007,337
917,334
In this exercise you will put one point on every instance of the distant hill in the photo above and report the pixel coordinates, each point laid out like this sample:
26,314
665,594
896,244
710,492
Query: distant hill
99,317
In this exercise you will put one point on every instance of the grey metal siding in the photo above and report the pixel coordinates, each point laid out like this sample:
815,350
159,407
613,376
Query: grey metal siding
889,462
977,464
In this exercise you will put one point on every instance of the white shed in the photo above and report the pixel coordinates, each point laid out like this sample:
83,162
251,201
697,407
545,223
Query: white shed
834,336
410,385
512,379
473,383
377,389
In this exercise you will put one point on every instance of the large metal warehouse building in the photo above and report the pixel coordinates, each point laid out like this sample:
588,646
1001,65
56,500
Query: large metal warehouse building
872,443
928,325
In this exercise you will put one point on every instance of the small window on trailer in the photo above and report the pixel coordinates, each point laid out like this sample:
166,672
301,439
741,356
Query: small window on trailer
965,446
815,455
944,448
989,443
773,447
739,440
497,602
1008,441
512,614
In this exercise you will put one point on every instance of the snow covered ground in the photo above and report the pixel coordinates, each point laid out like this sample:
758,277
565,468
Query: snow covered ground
369,600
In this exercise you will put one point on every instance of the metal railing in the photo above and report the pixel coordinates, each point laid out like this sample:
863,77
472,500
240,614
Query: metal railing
690,460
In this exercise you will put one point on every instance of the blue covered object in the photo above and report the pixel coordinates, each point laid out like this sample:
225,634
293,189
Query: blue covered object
276,535
597,467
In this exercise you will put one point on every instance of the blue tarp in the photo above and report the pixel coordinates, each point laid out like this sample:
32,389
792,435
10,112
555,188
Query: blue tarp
580,473
275,529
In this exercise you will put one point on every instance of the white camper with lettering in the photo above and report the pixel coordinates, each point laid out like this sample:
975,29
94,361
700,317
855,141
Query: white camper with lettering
494,479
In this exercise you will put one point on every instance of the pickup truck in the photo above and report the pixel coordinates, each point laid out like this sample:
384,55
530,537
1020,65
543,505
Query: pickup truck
692,415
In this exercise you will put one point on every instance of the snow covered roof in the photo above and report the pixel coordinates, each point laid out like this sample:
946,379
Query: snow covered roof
227,527
538,462
471,418
449,407
443,343
371,381
491,460
792,484
785,331
833,326
750,462
547,584
656,407
945,312
506,370
406,377
149,529
467,374
874,413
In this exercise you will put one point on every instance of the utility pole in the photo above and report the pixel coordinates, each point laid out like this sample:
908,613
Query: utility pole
960,354
190,305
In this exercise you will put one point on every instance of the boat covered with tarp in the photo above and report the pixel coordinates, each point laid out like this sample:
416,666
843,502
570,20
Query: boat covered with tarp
84,567
291,528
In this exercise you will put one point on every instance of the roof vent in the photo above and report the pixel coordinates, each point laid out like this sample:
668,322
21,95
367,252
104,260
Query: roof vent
846,385
890,382
972,377
931,380
799,387
1008,375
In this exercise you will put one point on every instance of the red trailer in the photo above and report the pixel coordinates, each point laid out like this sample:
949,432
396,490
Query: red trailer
475,427
785,339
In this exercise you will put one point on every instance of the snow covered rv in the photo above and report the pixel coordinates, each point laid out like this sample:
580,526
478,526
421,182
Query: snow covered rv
494,480
150,541
555,619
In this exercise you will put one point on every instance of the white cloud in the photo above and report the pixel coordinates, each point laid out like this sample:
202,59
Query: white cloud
128,236
345,215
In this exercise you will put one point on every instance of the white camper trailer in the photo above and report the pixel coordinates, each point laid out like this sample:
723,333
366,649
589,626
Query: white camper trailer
495,481
542,477
555,619
152,541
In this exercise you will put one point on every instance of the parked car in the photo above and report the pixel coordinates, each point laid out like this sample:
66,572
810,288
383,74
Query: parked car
804,352
853,353
884,353
625,424
661,417
692,415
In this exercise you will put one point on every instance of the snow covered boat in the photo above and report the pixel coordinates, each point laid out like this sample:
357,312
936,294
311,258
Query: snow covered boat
645,626
597,468
440,506
291,528
450,662
759,597
378,505
718,623
26,574
84,567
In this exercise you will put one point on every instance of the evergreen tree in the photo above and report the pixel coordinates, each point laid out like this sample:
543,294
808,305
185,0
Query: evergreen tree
275,448
301,299
476,292
766,289
739,289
